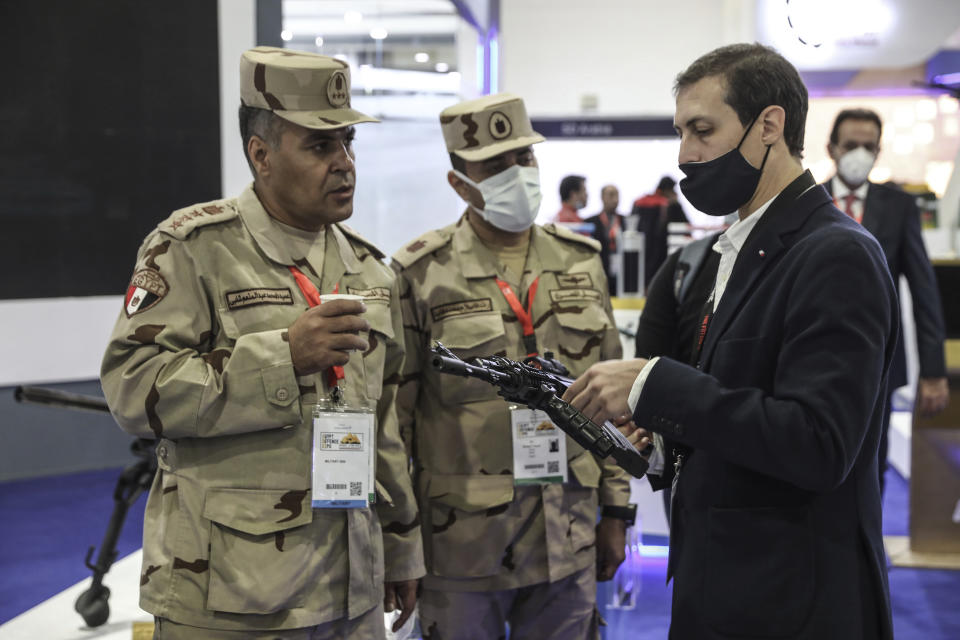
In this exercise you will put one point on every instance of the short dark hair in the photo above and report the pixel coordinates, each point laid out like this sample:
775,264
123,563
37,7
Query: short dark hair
666,184
262,123
854,114
755,77
569,184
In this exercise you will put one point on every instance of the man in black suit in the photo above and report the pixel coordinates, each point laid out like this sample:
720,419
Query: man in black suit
776,528
891,215
606,231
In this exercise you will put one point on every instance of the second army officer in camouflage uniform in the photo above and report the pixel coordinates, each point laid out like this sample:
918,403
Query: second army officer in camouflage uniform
497,552
217,357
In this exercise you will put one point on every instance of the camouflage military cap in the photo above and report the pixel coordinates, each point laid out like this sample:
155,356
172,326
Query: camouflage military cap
482,128
305,88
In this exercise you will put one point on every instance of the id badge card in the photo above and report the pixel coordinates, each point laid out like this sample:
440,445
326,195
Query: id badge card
344,450
539,448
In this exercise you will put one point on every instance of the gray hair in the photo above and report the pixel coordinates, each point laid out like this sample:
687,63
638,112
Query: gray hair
262,123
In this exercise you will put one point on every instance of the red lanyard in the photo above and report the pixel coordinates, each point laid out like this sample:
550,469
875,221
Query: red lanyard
335,373
525,317
704,324
611,229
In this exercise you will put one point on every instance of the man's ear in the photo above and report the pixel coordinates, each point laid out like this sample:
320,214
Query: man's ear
454,181
773,120
832,151
258,152
466,192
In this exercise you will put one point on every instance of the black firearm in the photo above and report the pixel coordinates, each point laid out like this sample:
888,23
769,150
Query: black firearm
538,382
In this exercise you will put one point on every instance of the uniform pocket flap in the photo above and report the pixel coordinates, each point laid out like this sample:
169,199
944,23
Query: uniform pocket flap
257,511
590,318
280,385
586,470
471,493
467,332
380,318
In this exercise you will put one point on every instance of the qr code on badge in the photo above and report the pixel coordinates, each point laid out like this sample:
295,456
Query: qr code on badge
356,488
553,466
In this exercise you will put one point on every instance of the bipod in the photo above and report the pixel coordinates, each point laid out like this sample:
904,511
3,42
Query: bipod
92,604
134,480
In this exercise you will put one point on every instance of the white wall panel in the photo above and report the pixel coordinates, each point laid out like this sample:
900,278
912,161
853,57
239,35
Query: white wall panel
625,52
237,20
55,339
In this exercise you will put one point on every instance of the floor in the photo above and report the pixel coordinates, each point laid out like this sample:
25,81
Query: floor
49,523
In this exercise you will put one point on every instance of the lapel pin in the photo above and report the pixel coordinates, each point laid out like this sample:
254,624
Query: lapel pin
762,253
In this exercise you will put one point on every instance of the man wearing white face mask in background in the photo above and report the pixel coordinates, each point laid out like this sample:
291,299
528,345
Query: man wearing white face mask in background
891,215
511,536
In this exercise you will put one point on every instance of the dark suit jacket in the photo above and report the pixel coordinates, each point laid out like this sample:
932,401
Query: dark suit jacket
601,234
777,529
891,215
668,327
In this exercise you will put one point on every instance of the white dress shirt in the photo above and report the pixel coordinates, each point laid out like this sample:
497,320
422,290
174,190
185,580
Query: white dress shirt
840,193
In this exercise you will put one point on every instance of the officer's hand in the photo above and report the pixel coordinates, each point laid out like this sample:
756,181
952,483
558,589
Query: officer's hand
611,539
326,334
933,395
601,393
400,595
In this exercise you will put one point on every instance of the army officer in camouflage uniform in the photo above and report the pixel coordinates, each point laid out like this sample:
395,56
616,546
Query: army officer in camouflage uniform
499,552
217,356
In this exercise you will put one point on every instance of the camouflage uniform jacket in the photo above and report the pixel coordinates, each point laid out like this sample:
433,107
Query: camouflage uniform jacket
204,366
480,531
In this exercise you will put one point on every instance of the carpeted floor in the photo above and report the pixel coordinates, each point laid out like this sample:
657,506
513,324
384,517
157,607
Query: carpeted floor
48,524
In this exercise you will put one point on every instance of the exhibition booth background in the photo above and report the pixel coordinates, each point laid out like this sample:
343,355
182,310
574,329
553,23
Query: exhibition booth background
613,63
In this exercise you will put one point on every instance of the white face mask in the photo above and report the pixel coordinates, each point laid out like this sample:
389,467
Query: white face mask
511,198
854,166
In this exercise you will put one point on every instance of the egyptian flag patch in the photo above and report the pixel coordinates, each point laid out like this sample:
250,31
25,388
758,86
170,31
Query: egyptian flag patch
147,288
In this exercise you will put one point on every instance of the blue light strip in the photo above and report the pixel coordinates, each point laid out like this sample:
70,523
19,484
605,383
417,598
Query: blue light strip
947,78
654,550
494,47
480,65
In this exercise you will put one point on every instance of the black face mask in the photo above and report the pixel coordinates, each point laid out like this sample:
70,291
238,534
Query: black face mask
724,184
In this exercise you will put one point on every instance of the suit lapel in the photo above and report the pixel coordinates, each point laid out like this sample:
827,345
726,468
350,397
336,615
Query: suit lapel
750,265
762,249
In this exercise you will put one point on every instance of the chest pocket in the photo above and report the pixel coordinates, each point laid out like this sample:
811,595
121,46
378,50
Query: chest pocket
578,337
374,358
468,336
262,317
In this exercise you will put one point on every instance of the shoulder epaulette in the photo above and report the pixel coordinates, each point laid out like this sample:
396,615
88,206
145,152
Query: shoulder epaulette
356,237
422,246
571,236
183,221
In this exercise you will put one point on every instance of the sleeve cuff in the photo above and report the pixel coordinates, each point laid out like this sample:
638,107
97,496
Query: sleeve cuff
658,457
404,561
634,397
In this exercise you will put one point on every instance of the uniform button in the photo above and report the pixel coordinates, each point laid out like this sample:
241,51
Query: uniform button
282,394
